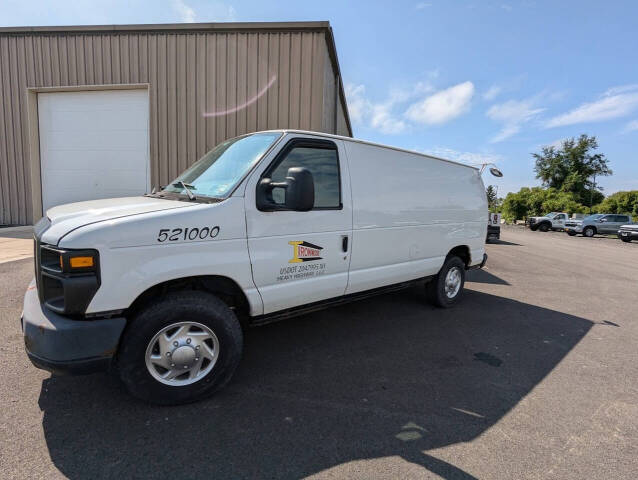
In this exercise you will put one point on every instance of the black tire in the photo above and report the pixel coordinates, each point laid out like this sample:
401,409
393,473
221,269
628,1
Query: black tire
544,227
533,228
200,307
625,239
571,234
435,289
589,232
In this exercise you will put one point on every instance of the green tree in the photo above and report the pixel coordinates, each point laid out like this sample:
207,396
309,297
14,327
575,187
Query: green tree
572,168
536,201
515,205
490,191
620,202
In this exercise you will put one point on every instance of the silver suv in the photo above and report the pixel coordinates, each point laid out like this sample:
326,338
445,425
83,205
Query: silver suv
598,223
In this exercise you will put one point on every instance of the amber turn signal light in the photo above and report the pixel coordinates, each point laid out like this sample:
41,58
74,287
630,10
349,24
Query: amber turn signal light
81,262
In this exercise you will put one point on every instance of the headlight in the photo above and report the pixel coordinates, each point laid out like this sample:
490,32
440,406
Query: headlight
67,279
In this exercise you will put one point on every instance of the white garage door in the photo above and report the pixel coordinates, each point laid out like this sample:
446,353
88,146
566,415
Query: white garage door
93,145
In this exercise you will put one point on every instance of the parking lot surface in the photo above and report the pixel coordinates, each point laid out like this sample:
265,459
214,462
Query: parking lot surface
533,376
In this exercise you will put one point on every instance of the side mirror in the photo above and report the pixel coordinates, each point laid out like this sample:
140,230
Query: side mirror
601,220
299,189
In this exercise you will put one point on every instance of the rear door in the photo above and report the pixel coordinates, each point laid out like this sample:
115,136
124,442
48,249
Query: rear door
302,257
618,221
607,224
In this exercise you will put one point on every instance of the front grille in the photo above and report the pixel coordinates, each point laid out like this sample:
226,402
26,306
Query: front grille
36,256
64,293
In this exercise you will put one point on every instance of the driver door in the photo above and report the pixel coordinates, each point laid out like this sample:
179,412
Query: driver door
559,221
301,257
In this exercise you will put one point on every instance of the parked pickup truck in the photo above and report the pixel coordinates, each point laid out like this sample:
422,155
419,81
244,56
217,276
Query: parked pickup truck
551,221
629,232
597,223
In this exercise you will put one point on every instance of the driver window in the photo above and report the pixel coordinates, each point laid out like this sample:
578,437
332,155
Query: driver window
324,166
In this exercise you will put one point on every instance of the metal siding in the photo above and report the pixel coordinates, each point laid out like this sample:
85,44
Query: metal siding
329,97
189,74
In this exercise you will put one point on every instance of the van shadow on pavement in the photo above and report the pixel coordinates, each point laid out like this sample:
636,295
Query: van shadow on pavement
382,377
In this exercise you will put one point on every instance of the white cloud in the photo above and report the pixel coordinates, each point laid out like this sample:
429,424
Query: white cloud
631,126
506,7
512,115
185,12
556,143
492,92
357,103
422,5
614,103
378,115
389,115
443,105
384,121
471,158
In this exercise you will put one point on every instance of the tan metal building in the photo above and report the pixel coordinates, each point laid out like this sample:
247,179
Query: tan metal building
111,110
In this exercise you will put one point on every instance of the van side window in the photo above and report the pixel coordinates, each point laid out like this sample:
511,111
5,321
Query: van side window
324,166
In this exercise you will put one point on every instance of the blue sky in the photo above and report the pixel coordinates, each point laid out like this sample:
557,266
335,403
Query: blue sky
472,80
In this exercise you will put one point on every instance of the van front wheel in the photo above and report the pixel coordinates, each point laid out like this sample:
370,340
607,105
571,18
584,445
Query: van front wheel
180,349
446,288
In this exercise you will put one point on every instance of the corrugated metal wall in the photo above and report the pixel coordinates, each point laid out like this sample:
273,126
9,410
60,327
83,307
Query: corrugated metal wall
204,87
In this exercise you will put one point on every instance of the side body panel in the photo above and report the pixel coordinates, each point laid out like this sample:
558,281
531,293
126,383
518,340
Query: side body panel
141,251
409,211
559,220
274,238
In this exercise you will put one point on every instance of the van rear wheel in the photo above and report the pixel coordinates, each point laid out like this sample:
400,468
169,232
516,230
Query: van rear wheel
180,349
446,288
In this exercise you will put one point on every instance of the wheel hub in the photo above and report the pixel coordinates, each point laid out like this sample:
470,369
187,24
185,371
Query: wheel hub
182,353
452,282
183,356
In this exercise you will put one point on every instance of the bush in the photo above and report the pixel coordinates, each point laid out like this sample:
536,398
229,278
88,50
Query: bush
536,201
620,202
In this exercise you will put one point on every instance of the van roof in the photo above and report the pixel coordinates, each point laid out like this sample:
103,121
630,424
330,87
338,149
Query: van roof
365,142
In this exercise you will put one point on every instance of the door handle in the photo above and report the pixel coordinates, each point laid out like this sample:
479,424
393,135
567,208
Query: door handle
344,243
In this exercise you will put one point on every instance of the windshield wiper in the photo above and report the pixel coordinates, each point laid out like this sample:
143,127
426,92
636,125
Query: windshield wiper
186,186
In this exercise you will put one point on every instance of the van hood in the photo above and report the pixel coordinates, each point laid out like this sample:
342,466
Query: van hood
65,218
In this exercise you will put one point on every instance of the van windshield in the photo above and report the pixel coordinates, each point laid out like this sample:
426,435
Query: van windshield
595,216
217,172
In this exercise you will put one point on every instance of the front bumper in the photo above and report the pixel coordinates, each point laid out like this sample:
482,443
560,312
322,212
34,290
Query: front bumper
578,229
63,346
479,265
628,234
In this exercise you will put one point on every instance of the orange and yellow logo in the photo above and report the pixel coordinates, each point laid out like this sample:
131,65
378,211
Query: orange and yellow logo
304,252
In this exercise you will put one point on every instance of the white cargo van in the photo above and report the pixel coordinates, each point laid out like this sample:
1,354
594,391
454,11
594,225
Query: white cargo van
263,227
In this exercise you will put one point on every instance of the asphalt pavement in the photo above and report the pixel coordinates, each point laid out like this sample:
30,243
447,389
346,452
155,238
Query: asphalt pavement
534,375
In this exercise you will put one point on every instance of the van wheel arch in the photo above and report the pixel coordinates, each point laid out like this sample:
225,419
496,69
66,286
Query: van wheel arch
461,251
225,288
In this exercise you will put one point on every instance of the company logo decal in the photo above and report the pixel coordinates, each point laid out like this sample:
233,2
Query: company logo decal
304,252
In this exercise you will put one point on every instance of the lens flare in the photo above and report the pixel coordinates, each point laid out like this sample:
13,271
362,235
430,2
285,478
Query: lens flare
252,100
